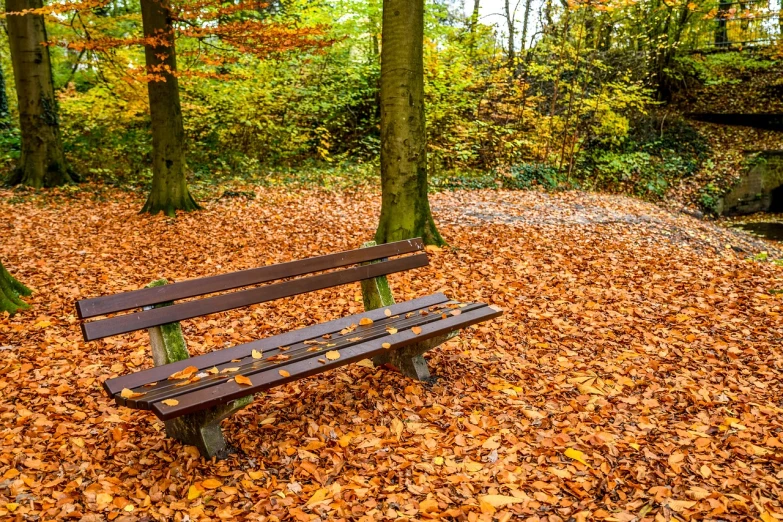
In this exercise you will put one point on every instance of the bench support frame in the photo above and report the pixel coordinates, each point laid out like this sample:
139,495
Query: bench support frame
409,360
200,429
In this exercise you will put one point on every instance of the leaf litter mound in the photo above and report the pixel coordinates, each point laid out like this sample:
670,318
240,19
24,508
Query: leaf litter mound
635,375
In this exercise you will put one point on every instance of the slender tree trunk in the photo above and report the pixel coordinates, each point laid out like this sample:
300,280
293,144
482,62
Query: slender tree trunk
10,290
169,191
512,58
472,23
42,163
525,23
405,209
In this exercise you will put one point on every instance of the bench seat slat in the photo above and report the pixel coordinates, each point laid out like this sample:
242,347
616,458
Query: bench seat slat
269,378
218,357
94,307
187,310
248,366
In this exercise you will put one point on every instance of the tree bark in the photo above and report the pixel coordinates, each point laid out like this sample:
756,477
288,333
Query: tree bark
10,290
405,209
42,163
169,191
5,122
512,57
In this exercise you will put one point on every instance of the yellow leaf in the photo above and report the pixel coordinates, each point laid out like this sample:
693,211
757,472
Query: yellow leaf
497,501
43,324
387,312
318,496
386,345
170,402
284,373
473,466
397,427
229,370
367,363
257,354
391,330
333,355
345,440
364,321
11,506
255,475
195,491
211,483
241,379
416,330
438,461
129,394
576,455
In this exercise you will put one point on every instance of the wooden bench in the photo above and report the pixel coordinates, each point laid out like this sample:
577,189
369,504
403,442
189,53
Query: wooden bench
192,395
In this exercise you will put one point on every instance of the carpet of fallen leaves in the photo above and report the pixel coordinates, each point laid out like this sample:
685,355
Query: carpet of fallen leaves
637,373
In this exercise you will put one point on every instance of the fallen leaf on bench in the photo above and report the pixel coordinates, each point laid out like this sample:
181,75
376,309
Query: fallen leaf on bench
364,321
187,373
367,363
170,402
386,345
387,312
348,330
195,378
241,379
150,384
284,348
312,341
256,354
409,315
213,371
327,336
314,349
456,312
284,373
416,330
354,339
236,360
424,312
229,370
330,345
333,355
322,361
278,357
127,393
211,483
391,330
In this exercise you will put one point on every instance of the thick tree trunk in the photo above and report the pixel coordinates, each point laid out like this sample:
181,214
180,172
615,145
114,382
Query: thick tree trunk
405,209
42,163
169,191
10,290
5,122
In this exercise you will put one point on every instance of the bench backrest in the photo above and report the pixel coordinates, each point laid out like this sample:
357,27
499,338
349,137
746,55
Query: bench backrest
148,297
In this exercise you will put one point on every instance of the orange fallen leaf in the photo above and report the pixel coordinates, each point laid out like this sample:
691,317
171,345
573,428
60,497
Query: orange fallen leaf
241,379
284,373
364,321
333,355
256,354
170,402
416,330
130,394
186,373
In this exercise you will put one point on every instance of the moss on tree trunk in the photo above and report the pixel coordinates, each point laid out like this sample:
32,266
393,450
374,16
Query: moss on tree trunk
169,191
405,209
42,162
10,290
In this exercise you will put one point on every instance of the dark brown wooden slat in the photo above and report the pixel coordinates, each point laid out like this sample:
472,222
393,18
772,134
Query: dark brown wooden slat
227,391
249,367
178,312
218,357
94,307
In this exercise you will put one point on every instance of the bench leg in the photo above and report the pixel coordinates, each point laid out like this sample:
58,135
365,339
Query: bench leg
377,294
200,429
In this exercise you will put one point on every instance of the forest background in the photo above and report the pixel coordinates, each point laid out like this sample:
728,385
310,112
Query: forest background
532,93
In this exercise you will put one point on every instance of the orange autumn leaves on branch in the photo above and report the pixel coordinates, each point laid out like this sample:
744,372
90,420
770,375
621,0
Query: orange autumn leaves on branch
222,34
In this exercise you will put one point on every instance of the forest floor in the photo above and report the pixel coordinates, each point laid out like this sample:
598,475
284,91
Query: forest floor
637,373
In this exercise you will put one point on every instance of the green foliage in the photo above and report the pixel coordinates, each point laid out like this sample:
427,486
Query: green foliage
709,198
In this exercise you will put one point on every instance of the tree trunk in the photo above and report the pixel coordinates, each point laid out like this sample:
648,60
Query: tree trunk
405,209
169,191
10,290
511,34
5,122
42,163
525,23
